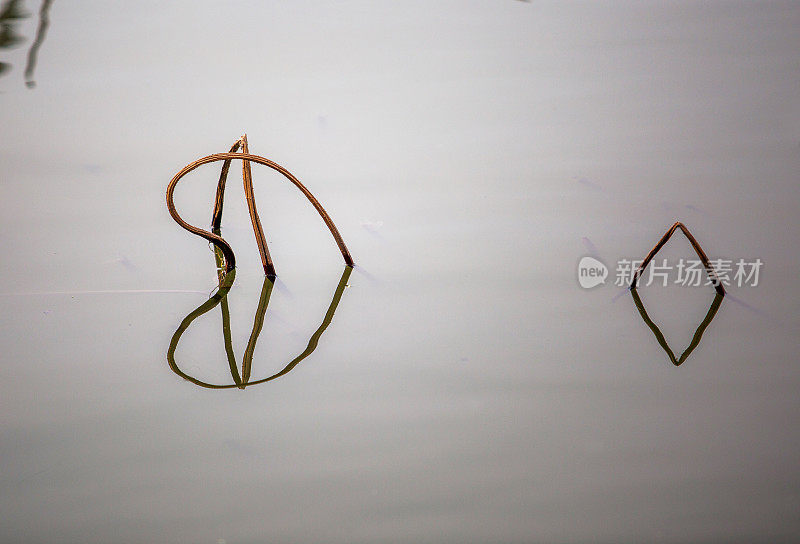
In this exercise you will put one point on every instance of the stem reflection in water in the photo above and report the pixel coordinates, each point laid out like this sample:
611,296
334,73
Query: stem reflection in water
11,12
221,298
712,311
41,32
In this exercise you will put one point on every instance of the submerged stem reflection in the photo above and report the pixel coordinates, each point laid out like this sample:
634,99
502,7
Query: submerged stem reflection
712,311
33,53
242,380
11,12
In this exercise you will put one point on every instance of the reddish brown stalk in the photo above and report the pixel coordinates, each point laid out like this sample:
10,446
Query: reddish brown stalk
247,178
216,218
700,253
218,241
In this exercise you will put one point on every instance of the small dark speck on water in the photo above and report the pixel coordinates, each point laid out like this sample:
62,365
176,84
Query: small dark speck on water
589,183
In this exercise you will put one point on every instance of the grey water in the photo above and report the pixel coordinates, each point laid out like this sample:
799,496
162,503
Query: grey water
465,387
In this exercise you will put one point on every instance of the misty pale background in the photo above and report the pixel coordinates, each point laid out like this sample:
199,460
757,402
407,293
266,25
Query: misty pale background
467,389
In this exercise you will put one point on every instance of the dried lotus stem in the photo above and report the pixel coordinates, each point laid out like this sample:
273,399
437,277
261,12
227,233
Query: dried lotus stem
216,218
700,253
215,238
247,178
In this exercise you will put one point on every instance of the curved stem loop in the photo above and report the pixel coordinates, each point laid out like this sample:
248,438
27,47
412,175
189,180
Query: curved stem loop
214,237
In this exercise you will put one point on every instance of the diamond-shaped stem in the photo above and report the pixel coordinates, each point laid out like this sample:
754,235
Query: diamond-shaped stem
700,253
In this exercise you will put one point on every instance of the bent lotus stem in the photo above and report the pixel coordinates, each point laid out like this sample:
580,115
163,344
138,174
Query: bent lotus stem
247,179
214,237
700,253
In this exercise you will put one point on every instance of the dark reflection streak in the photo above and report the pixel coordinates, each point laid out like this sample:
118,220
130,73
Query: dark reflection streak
219,258
712,311
258,323
41,31
266,290
207,306
10,12
312,343
226,335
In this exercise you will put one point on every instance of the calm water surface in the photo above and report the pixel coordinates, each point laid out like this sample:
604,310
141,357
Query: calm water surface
466,388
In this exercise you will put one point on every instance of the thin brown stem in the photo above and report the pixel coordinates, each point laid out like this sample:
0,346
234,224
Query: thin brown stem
216,218
247,177
218,241
700,253
258,324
